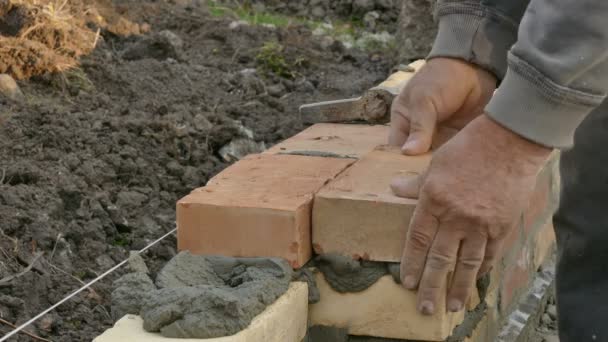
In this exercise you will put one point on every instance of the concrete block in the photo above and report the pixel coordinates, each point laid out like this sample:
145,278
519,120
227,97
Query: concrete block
357,215
341,140
258,207
385,309
283,321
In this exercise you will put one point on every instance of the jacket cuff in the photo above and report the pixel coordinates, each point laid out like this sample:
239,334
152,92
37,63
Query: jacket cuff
475,35
531,105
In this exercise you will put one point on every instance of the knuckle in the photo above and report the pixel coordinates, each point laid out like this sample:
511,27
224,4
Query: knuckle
470,264
419,240
437,260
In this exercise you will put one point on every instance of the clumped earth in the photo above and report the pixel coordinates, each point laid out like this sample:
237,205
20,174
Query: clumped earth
201,296
94,158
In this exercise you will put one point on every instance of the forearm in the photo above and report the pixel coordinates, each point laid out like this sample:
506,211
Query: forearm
478,33
558,71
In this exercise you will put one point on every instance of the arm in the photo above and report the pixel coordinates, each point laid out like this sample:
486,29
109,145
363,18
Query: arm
479,32
558,71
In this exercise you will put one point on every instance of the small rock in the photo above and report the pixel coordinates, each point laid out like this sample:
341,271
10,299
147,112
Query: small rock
239,148
104,261
326,42
47,322
552,311
236,24
318,12
363,6
305,86
162,45
546,319
201,123
370,19
269,26
9,88
276,90
551,338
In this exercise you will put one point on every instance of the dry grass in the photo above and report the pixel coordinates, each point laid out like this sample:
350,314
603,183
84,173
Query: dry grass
51,35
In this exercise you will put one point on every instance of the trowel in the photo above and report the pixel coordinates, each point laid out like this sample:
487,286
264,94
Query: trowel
372,107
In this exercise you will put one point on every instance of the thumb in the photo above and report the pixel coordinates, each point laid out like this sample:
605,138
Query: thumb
408,187
420,138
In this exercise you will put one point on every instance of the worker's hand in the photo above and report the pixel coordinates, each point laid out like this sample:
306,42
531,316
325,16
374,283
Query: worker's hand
445,91
470,198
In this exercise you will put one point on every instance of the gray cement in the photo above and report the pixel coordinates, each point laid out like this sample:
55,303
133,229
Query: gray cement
304,274
347,275
202,296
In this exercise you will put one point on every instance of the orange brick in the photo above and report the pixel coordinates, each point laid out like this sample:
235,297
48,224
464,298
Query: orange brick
258,207
357,215
343,140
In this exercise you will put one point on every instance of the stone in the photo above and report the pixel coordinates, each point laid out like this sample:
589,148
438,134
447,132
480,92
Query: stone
334,140
552,311
257,207
239,148
10,89
385,309
357,214
162,45
276,90
282,321
369,20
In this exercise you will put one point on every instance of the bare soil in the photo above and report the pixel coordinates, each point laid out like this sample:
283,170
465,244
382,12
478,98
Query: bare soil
95,158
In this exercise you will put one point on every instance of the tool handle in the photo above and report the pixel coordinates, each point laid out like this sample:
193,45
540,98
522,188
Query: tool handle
396,81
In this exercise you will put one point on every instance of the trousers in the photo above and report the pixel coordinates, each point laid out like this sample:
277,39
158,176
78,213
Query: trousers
581,227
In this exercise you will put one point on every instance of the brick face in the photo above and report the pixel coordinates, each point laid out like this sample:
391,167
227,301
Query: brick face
383,310
258,207
342,140
357,215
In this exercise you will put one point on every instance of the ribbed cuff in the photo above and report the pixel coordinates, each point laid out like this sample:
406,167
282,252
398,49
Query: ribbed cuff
475,36
531,105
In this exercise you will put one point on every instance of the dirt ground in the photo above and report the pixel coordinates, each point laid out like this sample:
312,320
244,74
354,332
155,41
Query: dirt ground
94,159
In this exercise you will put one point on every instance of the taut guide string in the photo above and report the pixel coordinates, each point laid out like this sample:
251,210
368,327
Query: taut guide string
84,287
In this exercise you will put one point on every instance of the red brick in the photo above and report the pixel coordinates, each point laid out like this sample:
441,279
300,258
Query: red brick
258,207
357,214
344,140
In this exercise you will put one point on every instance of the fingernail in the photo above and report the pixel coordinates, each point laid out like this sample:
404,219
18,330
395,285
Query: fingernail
409,145
427,307
409,282
454,305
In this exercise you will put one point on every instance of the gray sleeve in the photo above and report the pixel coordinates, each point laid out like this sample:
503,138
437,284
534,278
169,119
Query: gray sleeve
478,31
557,71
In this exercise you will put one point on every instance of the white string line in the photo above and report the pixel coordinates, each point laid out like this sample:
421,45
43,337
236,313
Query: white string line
87,285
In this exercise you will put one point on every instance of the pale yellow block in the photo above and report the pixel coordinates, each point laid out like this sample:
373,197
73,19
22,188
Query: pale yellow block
545,241
283,321
385,309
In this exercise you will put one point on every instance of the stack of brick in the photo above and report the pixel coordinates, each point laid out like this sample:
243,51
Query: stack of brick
327,189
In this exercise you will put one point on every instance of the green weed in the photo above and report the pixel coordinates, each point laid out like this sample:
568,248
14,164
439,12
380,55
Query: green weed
271,58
